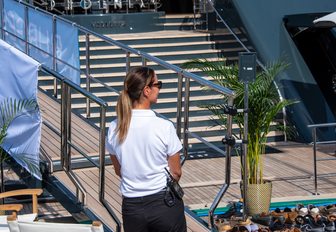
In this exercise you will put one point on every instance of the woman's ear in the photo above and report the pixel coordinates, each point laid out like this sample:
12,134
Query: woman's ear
146,91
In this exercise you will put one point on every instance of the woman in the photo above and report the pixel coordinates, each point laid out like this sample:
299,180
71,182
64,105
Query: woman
142,145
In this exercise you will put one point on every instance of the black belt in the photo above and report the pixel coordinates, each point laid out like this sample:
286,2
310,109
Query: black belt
160,193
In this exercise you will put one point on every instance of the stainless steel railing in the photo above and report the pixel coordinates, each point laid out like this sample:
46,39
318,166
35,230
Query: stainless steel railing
67,145
183,104
182,75
210,4
207,5
315,143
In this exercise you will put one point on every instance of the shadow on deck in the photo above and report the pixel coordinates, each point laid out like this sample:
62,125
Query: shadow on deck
289,165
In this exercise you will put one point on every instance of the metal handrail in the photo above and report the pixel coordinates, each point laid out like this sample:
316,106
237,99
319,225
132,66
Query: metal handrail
182,75
128,50
162,63
66,146
58,133
315,143
225,186
263,67
72,85
144,55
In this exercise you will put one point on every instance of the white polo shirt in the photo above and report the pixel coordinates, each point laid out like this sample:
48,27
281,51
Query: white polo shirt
143,155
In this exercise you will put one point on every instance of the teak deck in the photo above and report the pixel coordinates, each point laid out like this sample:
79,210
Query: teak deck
290,167
86,137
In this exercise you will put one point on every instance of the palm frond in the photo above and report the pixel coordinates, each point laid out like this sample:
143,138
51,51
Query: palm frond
10,109
32,165
264,105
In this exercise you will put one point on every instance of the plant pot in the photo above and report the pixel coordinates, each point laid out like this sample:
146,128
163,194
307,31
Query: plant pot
258,198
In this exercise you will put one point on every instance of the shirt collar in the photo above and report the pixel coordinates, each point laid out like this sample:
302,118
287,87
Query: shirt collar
143,112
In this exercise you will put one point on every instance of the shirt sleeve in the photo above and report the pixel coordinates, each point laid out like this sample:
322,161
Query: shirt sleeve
173,142
108,141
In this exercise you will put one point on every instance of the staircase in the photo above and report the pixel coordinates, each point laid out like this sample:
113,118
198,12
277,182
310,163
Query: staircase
177,44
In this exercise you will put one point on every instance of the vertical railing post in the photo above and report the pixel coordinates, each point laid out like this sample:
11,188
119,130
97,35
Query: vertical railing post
102,152
128,61
227,170
26,22
54,54
88,79
101,5
102,149
144,61
68,125
64,132
179,104
315,164
107,7
194,9
2,11
67,129
186,119
156,6
205,7
229,134
244,159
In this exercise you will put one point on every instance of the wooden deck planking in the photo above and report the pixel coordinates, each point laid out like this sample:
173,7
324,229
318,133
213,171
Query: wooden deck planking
290,168
280,166
84,136
89,178
50,142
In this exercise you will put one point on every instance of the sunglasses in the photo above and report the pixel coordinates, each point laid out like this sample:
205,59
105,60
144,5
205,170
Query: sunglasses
157,84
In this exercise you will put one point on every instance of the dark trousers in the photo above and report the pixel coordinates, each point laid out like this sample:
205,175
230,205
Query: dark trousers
151,214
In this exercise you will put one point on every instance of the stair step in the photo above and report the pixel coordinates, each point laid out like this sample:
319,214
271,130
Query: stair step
160,35
162,45
179,24
151,64
120,75
175,47
168,53
181,16
160,100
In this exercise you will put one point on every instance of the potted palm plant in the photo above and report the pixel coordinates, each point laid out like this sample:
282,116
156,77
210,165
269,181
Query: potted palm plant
9,110
264,105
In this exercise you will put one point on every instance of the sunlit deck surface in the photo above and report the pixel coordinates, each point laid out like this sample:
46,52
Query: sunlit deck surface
289,165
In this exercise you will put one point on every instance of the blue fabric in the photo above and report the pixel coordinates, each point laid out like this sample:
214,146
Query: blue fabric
68,51
40,34
14,23
18,78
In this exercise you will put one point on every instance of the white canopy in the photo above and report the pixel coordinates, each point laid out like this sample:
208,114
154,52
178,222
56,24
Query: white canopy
326,21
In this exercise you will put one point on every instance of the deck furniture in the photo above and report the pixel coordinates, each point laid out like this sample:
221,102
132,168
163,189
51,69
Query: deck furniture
21,192
15,208
18,226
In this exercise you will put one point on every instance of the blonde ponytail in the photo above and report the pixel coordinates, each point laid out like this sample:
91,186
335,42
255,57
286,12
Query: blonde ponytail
135,81
124,114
